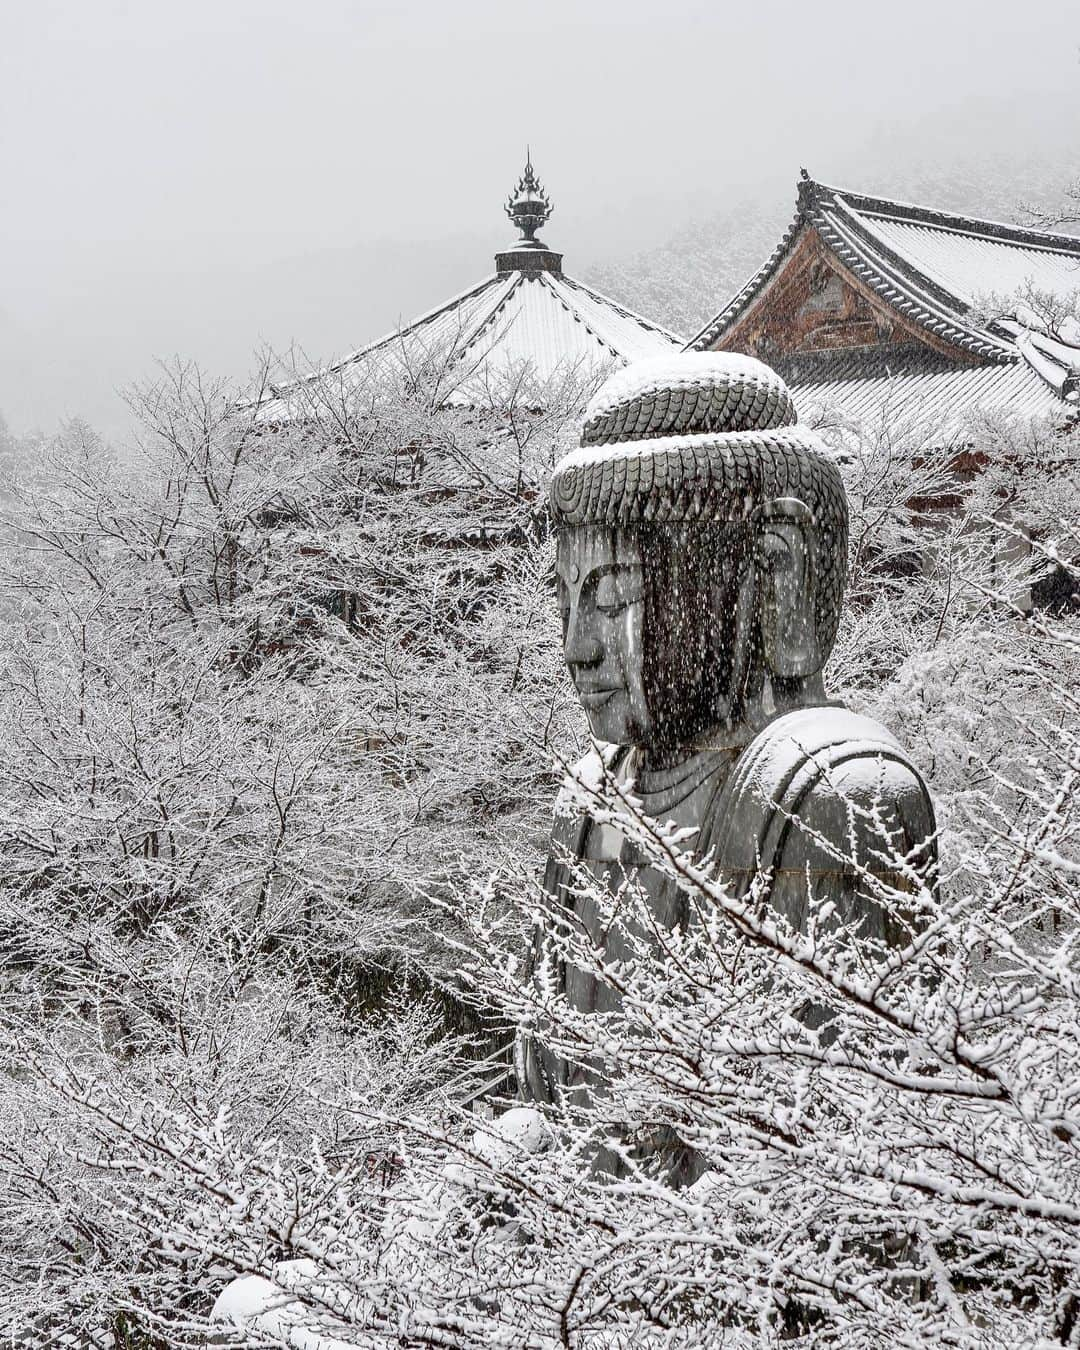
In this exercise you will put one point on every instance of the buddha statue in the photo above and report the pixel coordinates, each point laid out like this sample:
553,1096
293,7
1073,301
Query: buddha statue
701,553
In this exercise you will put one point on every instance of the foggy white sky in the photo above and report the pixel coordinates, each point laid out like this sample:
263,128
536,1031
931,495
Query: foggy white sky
200,176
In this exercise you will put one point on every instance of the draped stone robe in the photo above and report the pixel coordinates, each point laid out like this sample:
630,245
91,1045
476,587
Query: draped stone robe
811,783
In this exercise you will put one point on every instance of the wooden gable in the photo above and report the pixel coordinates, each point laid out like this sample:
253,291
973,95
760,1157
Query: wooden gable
815,305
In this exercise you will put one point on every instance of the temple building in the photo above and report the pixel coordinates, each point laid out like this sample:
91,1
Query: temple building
526,318
878,310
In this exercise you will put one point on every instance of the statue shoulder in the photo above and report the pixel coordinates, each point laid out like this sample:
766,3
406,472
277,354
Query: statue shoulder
824,780
589,771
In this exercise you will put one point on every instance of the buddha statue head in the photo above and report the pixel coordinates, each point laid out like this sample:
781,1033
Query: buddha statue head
701,553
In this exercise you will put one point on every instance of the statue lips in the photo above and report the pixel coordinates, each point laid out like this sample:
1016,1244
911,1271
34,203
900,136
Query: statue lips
596,698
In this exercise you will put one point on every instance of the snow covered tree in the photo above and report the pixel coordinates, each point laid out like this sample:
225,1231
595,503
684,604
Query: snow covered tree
256,688
904,1173
287,723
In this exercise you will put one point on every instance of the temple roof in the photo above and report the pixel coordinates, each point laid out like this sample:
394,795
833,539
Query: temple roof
923,399
962,294
526,316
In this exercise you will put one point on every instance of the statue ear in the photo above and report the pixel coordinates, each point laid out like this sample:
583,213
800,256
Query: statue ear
785,565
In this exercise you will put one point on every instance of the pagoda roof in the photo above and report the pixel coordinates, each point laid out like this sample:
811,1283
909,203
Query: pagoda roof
526,317
935,271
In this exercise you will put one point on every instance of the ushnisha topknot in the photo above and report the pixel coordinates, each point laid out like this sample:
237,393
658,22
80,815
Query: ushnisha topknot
686,395
705,437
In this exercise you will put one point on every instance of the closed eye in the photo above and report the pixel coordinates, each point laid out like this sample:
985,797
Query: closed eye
617,606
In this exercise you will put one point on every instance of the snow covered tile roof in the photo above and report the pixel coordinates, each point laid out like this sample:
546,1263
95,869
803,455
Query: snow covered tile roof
551,324
528,315
945,400
968,258
938,271
542,321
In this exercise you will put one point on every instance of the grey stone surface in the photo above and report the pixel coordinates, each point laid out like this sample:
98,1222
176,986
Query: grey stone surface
701,557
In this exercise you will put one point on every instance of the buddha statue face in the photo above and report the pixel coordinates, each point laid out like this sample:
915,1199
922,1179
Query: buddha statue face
655,632
601,591
675,631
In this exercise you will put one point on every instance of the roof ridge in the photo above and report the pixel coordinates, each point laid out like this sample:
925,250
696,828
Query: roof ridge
402,330
485,321
873,237
544,278
574,323
894,288
1003,231
624,310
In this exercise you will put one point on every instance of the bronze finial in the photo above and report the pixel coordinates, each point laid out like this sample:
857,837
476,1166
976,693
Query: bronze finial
529,206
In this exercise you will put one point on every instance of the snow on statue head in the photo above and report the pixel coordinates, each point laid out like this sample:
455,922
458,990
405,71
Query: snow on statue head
702,548
701,553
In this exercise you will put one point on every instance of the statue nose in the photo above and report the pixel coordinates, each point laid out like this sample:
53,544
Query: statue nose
581,647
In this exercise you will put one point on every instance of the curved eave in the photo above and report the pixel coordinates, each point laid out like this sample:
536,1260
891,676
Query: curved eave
888,275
